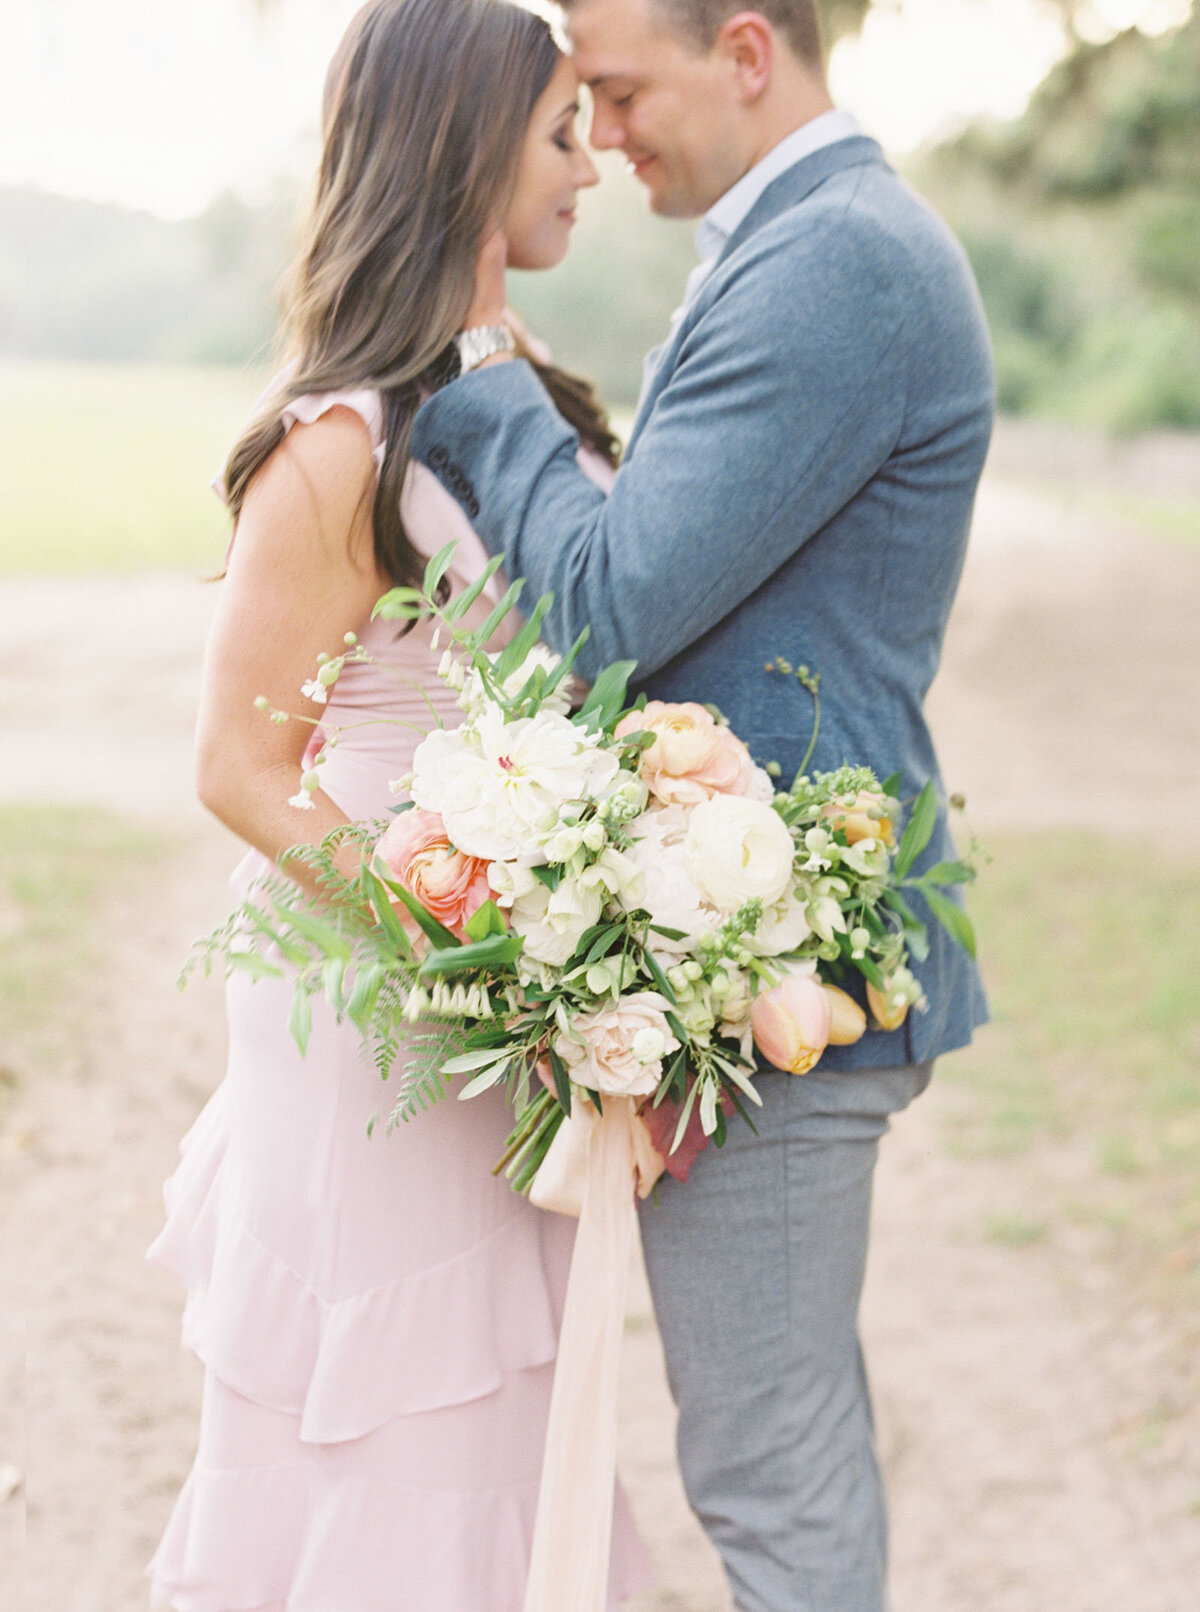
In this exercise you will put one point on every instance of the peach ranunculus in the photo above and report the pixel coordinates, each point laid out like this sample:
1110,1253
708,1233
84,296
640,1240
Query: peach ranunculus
861,817
792,1021
693,757
450,885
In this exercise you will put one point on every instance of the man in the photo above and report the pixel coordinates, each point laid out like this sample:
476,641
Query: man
799,483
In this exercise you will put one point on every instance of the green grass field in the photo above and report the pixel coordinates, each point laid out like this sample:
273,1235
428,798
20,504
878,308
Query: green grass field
1094,1049
106,467
58,865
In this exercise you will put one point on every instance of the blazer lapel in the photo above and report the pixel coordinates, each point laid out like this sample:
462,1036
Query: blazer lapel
792,187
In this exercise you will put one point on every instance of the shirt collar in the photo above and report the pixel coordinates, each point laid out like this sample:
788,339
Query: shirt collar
724,216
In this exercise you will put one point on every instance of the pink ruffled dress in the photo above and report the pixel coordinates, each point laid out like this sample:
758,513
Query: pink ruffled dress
377,1316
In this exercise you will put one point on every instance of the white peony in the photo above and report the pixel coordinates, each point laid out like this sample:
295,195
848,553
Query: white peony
668,892
739,850
500,787
552,922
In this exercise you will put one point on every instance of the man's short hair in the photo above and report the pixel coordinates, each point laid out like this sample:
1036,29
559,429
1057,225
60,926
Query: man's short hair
700,21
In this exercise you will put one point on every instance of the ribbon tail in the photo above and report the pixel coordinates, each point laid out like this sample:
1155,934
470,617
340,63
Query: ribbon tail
572,1537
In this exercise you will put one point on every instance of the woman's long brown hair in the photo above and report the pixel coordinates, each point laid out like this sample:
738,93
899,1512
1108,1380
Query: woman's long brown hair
427,103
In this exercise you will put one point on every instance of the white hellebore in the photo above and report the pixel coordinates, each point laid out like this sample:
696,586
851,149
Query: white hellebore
739,850
500,787
618,1051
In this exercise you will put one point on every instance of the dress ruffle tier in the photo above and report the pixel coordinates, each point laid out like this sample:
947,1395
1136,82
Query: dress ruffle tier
367,1455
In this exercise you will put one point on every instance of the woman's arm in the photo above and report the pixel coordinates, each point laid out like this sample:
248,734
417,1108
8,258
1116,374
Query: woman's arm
301,574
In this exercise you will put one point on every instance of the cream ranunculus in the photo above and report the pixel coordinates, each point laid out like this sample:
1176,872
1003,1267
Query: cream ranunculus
501,787
739,850
611,1052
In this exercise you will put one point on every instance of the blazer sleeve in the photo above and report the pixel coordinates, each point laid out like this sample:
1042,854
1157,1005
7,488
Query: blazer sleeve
785,397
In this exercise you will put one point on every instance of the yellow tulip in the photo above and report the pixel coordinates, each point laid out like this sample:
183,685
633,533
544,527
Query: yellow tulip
848,1021
888,1008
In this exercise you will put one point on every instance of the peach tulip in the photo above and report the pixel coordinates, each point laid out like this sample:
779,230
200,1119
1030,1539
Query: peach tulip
792,1021
848,1021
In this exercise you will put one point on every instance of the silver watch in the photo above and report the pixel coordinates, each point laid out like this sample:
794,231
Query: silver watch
480,342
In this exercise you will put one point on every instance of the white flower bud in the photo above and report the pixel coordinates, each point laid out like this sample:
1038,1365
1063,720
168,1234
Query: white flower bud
649,1045
600,979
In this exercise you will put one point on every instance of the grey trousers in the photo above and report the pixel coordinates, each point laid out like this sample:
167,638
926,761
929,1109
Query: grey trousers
756,1269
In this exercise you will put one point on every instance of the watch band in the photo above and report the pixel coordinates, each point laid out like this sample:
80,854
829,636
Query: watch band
480,342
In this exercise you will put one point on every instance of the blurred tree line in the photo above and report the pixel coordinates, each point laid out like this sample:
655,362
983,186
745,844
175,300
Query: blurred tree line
1082,220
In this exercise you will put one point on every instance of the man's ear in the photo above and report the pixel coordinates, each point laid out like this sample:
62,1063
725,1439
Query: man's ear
747,43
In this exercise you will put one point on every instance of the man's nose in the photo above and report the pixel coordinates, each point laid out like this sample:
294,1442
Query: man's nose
606,132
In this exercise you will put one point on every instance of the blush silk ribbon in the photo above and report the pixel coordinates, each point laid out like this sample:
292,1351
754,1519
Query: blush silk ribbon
572,1537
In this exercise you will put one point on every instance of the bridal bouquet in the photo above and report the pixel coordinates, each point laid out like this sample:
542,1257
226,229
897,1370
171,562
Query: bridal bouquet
606,902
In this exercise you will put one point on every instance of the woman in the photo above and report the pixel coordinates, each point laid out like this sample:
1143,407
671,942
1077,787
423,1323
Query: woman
377,1317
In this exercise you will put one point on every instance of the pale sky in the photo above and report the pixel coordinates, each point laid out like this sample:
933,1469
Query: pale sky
163,104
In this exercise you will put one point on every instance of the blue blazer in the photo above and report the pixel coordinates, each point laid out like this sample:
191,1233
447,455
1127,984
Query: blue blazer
799,483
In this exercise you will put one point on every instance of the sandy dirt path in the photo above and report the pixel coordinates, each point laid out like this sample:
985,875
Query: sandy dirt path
1000,1376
